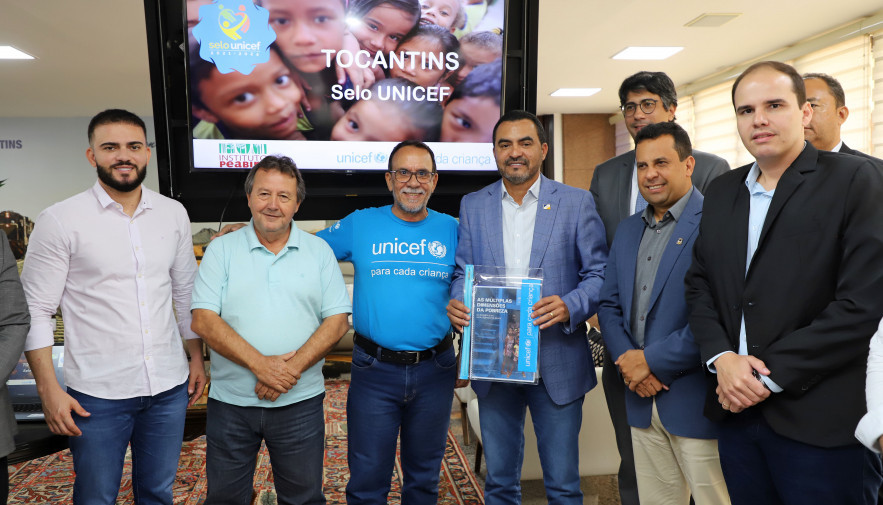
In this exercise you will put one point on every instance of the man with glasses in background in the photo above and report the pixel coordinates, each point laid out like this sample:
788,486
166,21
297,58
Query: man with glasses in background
645,98
404,366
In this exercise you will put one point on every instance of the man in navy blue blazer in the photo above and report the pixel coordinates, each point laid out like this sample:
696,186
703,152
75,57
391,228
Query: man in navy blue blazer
527,220
643,319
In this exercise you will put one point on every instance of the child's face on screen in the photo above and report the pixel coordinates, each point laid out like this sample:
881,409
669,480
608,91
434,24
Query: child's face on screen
305,27
382,28
371,120
470,119
439,12
260,105
412,69
473,55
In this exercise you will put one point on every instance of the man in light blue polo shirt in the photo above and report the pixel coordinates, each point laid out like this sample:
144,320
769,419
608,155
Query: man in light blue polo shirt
271,302
404,367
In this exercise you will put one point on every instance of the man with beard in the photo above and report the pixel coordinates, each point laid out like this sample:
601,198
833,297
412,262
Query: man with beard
404,367
115,257
528,221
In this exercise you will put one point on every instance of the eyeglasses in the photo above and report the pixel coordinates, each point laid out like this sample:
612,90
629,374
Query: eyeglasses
648,105
404,175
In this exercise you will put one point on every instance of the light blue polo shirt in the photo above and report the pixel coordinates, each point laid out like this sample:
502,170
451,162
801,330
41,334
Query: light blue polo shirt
275,302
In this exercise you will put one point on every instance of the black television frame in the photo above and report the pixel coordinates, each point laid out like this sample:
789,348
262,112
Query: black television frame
212,196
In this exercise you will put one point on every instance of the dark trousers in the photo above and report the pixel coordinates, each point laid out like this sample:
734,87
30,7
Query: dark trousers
762,467
4,482
614,391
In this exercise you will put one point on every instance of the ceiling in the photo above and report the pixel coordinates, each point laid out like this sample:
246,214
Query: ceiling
93,55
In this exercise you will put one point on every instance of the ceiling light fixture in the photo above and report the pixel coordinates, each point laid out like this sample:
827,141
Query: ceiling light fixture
712,20
575,92
646,53
11,53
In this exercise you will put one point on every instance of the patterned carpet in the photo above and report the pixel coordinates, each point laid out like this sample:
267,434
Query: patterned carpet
50,479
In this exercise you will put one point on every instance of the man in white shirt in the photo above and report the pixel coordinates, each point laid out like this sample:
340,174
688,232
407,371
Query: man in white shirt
115,257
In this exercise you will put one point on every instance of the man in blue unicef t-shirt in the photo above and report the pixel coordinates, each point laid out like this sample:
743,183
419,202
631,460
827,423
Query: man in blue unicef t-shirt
404,367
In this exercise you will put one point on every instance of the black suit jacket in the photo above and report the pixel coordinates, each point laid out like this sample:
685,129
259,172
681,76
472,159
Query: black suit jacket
848,150
812,296
612,185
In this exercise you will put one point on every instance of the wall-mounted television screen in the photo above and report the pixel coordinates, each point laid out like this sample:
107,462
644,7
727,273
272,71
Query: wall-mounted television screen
333,84
291,76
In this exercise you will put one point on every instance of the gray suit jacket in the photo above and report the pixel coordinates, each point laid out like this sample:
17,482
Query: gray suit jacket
612,185
14,324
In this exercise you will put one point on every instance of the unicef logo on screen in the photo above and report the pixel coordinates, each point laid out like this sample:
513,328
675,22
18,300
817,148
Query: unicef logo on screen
233,35
437,249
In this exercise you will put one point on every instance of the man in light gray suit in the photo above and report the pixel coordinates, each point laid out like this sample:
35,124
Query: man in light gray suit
645,98
14,324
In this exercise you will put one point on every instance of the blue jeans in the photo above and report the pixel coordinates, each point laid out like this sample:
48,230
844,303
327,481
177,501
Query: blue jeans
762,467
154,425
385,398
501,415
295,438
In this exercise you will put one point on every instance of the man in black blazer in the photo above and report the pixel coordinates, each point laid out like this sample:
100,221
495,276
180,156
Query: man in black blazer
785,293
645,98
829,111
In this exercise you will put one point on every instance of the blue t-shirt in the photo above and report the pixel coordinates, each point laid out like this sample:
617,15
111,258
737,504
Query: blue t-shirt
274,301
402,275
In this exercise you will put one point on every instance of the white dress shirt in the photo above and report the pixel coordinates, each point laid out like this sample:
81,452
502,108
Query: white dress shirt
870,428
115,278
518,226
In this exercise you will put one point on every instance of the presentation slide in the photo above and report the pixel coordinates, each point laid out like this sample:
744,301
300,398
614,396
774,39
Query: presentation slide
289,77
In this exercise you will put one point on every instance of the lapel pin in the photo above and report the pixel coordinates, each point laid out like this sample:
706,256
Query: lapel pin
680,241
547,207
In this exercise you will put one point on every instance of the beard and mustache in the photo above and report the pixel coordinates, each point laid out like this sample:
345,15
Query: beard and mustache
105,175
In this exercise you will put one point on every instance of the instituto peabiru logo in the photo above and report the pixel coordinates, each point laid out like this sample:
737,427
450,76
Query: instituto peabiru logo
234,35
241,148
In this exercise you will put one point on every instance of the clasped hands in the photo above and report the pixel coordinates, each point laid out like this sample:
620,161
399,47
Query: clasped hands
637,375
739,387
276,376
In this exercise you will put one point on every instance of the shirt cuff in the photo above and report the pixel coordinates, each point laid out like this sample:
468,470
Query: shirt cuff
772,386
710,363
186,332
41,334
870,428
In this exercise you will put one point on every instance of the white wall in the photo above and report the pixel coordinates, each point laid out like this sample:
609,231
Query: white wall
50,164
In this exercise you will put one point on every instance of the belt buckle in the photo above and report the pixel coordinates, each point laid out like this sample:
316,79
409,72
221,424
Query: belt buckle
416,356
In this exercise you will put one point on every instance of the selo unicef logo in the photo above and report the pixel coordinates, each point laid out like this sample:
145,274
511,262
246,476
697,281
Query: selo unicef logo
232,23
234,36
437,249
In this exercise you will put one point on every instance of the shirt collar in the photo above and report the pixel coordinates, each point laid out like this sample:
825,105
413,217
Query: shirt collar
106,201
754,187
252,238
533,191
838,147
675,211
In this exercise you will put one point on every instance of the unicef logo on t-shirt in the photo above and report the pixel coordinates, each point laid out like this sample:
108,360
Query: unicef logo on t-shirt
437,249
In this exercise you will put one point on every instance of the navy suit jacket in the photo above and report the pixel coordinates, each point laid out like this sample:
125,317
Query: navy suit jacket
669,347
568,244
